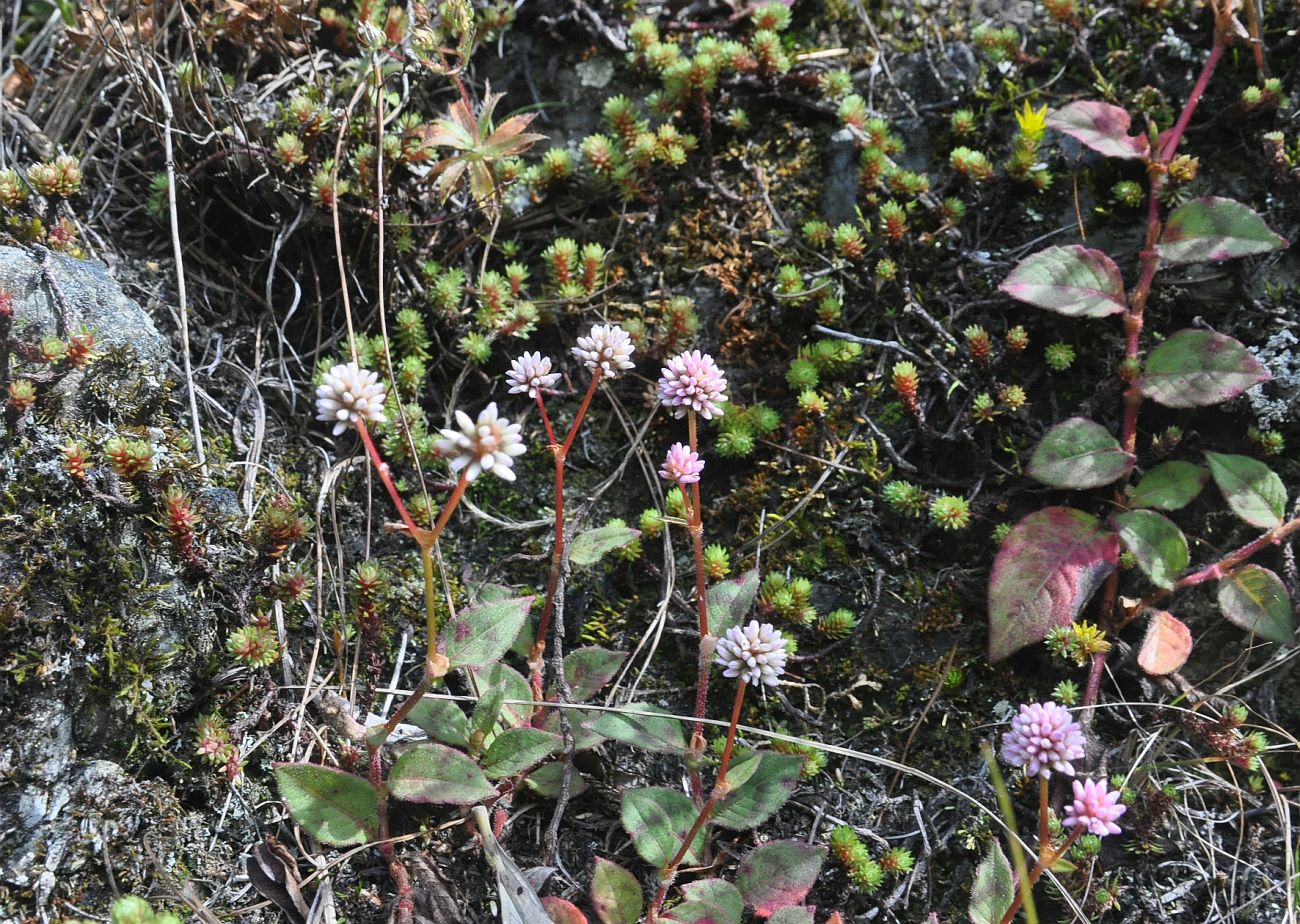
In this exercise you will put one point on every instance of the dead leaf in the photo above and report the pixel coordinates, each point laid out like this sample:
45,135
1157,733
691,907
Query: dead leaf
273,872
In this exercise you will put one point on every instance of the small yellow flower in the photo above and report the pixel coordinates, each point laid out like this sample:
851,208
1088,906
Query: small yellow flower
1033,122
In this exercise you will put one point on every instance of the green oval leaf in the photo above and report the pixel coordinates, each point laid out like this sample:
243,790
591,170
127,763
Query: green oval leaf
479,635
442,720
615,894
1255,599
589,669
516,749
590,546
730,601
487,710
1169,486
1158,545
432,773
548,779
510,682
1100,126
334,807
1046,569
720,894
1166,646
1212,229
1073,281
1197,368
651,733
1251,488
658,820
779,874
753,801
1078,453
993,890
793,914
699,913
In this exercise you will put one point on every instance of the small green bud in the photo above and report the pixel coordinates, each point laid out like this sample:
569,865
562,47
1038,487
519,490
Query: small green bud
1059,356
837,623
735,443
651,524
763,419
812,403
802,374
717,562
950,512
1066,693
131,909
904,497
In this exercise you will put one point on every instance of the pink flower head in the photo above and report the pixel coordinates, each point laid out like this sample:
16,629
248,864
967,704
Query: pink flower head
681,465
1094,808
692,381
1043,738
608,348
754,652
531,373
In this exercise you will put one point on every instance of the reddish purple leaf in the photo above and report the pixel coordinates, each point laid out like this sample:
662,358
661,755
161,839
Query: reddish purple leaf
1166,645
1100,126
1197,368
1078,453
1073,281
1212,229
1047,568
589,669
561,911
779,874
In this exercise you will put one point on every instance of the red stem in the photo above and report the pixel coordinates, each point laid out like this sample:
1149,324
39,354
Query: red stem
1232,559
1134,318
381,469
560,453
720,790
1045,862
695,514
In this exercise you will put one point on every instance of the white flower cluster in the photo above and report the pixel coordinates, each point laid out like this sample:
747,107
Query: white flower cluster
754,652
350,394
488,444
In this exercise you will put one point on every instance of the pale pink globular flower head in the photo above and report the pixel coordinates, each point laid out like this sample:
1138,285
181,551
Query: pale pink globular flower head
531,374
488,444
692,381
1043,738
608,348
1094,808
756,653
348,394
681,465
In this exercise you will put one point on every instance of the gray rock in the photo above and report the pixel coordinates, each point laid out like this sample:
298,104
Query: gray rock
840,195
93,300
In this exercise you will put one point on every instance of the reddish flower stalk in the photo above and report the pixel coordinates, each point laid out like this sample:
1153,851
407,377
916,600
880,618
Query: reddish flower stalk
720,790
696,527
560,452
